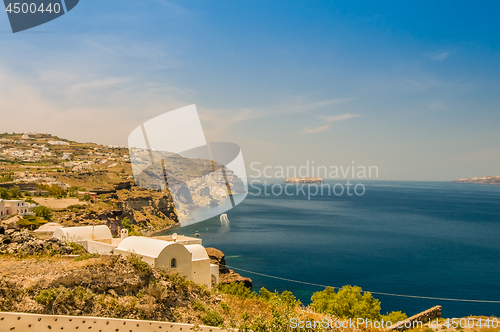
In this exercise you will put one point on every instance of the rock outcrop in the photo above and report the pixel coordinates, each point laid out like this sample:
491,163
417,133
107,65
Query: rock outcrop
24,243
226,276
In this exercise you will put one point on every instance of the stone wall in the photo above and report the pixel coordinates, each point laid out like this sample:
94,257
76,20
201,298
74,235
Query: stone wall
23,186
424,317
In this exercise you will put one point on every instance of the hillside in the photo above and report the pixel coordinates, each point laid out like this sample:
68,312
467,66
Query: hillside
110,286
63,168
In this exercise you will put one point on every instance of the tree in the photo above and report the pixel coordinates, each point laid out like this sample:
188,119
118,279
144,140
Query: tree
53,189
348,302
43,212
10,193
15,192
4,193
73,191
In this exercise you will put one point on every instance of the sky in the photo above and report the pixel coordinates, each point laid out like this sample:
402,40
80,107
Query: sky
412,88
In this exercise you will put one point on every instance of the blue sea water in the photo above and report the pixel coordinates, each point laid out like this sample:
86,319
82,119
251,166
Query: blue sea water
431,239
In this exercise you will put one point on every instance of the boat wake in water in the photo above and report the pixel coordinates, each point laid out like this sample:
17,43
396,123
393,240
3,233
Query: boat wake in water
225,225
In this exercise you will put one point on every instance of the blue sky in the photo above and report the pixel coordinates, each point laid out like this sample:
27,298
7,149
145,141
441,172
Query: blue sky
411,88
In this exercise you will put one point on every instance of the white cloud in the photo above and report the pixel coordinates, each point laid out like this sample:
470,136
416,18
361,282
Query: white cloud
316,130
439,56
82,112
330,120
341,117
217,122
97,84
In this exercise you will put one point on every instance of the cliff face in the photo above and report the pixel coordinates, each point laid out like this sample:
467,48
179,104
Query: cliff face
494,180
152,202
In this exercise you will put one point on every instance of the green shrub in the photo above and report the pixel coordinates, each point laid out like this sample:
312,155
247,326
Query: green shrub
212,318
77,249
286,298
349,302
394,317
53,189
179,281
199,306
30,222
47,296
132,229
138,263
11,193
6,178
43,212
237,289
73,191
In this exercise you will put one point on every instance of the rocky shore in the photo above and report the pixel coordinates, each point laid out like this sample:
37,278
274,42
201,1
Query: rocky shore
226,276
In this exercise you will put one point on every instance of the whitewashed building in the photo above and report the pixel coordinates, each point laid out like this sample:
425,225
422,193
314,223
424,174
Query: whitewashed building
15,206
175,253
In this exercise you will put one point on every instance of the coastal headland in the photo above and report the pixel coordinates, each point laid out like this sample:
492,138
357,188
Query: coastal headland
304,180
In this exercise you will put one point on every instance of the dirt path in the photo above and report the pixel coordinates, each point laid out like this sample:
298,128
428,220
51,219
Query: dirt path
55,203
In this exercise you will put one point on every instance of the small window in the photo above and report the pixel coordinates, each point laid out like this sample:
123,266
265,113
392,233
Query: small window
173,263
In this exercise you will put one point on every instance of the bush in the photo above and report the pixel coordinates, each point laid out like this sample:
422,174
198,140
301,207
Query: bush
53,189
199,306
43,212
77,249
11,193
286,298
132,229
73,191
349,302
138,263
47,296
394,317
237,289
6,178
30,222
212,318
76,208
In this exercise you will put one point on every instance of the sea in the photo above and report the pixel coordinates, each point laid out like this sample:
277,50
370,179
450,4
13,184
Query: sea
421,239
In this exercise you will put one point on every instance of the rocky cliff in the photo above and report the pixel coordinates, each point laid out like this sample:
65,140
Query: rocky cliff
226,276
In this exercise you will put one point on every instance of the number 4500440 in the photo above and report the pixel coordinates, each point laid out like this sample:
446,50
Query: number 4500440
463,323
32,8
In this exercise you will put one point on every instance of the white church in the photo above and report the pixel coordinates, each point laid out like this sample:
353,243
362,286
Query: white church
174,252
